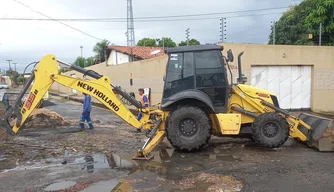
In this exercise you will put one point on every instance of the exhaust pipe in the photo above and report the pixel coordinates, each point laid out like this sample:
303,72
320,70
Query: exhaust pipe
241,79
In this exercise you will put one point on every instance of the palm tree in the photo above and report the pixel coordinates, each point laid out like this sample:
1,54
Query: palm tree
100,49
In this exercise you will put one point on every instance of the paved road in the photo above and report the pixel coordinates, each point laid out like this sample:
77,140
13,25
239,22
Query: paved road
71,110
294,167
291,168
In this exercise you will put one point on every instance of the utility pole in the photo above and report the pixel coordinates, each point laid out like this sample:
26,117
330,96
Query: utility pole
187,36
223,29
81,47
10,68
320,34
163,43
15,66
144,49
105,54
273,25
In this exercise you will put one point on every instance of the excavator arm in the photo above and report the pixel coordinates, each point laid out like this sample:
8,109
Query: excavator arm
100,87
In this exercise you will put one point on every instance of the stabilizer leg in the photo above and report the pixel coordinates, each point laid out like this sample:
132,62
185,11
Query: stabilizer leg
155,137
150,144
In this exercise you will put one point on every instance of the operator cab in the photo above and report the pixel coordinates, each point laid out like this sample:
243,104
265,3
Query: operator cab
196,74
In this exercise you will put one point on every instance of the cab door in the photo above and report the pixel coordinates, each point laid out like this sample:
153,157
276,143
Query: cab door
211,77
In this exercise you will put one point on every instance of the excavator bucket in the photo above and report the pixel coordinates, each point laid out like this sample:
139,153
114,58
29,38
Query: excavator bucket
321,135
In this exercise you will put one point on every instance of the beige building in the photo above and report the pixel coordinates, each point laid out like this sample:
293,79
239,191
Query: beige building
301,76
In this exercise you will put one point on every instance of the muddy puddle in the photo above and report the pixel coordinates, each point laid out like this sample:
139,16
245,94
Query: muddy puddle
170,169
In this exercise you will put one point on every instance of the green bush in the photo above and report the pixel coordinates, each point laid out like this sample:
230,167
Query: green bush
20,79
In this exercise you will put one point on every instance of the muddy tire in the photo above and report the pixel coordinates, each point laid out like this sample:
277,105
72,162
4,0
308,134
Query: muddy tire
188,128
270,130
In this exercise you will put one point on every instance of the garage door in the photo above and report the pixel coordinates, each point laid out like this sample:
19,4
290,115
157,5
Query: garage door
291,84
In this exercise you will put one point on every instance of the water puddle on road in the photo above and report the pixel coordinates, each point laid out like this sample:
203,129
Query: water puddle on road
174,170
97,162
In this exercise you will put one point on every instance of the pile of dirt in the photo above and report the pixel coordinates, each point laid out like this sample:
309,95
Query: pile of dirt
215,183
202,182
45,118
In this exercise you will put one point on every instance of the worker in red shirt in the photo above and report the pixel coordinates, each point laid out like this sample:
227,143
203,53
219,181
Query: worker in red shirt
144,101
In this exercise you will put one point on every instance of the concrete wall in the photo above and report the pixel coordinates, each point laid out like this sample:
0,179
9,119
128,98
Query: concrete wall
149,73
145,73
321,58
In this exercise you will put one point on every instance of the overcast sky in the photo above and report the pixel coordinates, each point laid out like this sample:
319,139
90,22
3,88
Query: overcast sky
28,41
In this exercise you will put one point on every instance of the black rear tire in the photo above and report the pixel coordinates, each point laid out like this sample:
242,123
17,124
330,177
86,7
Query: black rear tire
188,128
270,130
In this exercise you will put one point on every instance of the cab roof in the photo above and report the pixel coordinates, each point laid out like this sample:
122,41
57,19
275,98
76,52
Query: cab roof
193,48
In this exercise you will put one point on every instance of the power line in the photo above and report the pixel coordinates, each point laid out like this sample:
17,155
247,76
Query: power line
57,20
156,20
169,16
219,13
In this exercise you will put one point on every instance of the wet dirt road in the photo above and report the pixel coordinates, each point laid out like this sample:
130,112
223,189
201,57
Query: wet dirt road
227,164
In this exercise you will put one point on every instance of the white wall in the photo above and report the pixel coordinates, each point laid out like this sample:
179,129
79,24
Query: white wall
121,58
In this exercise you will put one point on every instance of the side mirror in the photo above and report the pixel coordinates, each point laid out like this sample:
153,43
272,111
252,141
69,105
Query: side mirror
164,78
230,56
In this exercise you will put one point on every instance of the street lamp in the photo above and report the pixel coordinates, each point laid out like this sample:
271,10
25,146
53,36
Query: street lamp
81,47
14,66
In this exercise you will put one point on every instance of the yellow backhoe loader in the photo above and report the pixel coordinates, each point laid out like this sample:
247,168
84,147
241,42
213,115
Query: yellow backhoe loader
198,101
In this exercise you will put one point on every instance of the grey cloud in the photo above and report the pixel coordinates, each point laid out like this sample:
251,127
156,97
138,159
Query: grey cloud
39,38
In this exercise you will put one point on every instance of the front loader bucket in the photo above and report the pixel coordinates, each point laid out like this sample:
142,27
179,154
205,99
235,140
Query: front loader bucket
321,135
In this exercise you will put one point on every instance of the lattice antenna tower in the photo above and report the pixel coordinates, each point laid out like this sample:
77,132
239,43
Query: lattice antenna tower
130,26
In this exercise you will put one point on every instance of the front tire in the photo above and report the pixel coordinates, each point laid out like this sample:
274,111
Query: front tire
188,128
270,130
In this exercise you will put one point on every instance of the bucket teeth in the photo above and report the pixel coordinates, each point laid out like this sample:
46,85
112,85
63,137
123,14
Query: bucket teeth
321,135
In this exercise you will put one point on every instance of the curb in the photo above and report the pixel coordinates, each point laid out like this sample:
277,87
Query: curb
133,111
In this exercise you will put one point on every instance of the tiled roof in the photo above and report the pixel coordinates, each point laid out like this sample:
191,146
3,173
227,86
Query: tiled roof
139,51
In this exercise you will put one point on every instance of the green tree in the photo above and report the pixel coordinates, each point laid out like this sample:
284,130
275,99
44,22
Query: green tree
191,42
323,13
13,75
167,42
21,79
148,42
295,25
89,61
80,61
100,49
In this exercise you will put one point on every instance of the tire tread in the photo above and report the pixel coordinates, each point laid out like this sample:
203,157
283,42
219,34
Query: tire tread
188,145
